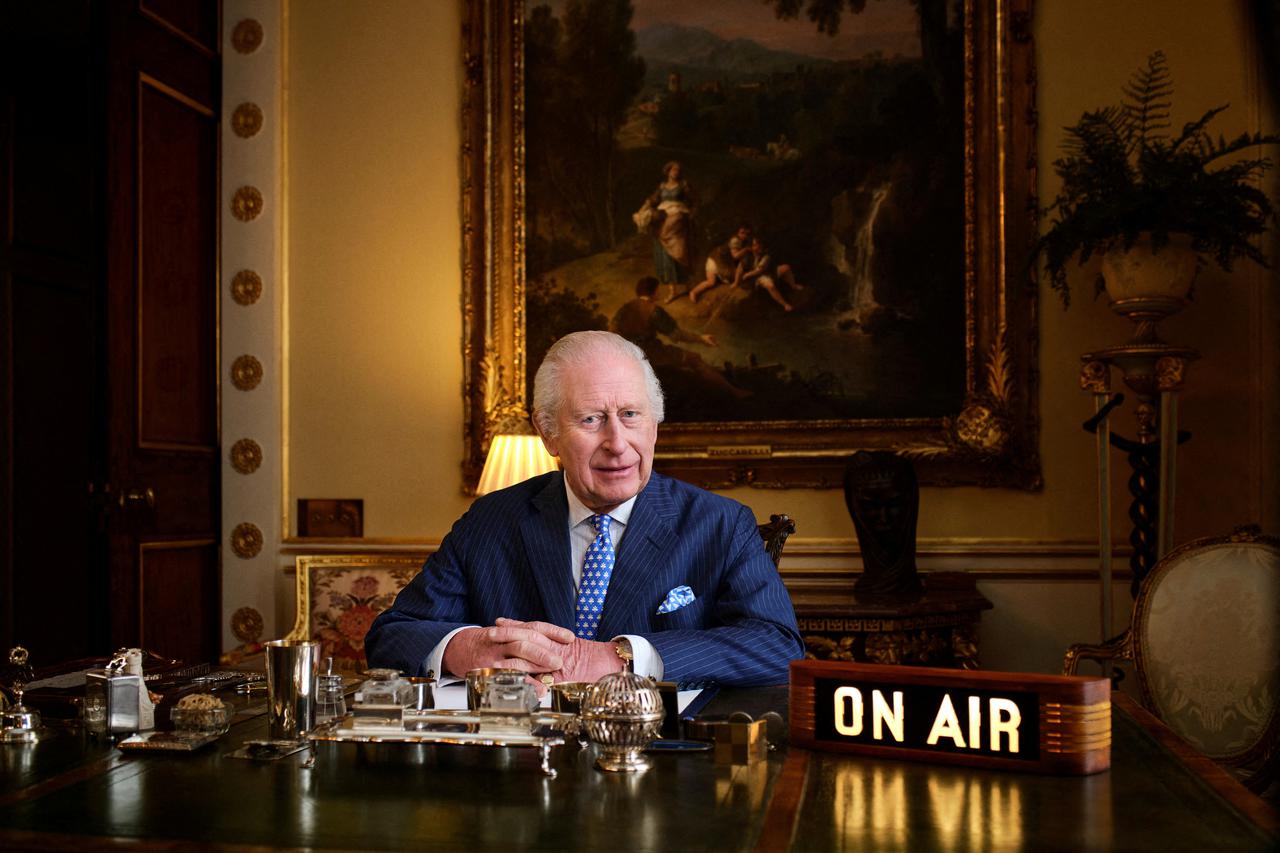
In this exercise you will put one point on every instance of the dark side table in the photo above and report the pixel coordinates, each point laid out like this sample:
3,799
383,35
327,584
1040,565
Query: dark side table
940,628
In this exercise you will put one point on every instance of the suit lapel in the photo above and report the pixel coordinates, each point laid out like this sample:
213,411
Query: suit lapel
650,535
546,542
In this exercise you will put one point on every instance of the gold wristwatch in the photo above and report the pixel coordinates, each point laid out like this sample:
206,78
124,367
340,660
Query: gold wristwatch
623,648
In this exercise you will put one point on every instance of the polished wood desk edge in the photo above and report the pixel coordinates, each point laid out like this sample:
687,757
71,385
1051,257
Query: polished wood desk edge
784,803
53,842
1251,806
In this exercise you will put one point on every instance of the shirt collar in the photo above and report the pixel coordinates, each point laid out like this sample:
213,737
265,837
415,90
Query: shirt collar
579,512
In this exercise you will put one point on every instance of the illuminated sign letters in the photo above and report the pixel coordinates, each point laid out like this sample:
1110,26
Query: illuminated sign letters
982,722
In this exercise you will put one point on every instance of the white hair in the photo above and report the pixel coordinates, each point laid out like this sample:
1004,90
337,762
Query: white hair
579,348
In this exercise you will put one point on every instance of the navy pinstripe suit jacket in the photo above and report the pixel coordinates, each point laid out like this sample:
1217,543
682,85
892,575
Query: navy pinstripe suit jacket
509,556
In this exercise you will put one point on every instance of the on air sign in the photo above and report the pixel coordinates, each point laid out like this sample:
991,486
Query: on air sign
1043,723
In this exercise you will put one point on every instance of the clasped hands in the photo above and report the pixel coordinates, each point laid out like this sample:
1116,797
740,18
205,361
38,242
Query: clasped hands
533,647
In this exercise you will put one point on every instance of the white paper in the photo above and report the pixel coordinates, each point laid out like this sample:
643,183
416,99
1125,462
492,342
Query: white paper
684,697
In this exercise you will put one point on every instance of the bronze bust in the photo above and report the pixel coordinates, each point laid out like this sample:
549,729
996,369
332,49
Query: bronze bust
883,497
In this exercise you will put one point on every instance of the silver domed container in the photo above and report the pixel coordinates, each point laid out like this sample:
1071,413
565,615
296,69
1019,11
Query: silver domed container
622,713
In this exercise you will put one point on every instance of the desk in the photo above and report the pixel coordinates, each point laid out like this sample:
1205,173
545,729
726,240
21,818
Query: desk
71,794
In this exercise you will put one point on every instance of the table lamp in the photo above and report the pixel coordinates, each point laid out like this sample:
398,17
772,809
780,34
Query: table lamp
513,459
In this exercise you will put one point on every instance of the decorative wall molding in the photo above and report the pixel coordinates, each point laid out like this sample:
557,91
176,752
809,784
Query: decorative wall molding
246,372
246,456
246,121
252,316
247,36
247,204
246,540
246,287
818,559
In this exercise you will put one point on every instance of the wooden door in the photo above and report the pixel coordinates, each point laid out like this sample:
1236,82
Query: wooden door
163,97
108,319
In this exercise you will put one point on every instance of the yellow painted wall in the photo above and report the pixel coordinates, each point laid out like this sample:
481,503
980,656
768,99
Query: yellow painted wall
374,408
374,318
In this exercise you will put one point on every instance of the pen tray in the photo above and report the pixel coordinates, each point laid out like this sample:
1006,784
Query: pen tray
458,728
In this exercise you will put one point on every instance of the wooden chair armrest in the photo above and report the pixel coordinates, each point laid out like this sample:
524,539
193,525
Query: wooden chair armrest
1117,648
302,600
775,533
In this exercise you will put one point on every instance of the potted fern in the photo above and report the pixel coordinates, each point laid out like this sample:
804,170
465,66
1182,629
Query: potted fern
1150,201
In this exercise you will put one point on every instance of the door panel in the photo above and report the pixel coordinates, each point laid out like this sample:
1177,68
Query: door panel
171,574
162,286
177,205
195,21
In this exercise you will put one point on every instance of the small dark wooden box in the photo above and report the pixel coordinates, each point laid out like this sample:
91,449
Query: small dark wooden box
331,518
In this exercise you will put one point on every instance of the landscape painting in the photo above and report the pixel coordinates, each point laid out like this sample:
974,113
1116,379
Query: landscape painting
812,215
795,192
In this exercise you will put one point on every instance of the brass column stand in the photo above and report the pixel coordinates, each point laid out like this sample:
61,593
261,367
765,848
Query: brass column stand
1154,371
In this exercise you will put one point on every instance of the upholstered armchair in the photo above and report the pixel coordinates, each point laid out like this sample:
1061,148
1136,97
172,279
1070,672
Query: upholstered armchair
1204,639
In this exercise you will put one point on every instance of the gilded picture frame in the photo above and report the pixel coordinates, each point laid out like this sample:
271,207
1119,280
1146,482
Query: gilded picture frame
991,439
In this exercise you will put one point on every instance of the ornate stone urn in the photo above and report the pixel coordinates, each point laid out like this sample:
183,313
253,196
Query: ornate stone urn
1147,285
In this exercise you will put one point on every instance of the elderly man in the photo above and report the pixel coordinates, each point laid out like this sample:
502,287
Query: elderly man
602,566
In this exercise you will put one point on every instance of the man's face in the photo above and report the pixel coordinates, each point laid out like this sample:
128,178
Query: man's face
606,431
744,234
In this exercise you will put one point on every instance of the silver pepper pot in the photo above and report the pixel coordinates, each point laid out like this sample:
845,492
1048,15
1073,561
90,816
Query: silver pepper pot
622,713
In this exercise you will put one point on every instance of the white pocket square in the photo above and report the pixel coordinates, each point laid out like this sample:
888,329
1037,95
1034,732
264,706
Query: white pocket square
679,597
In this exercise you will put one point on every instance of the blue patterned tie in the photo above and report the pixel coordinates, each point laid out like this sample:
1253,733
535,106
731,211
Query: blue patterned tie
596,568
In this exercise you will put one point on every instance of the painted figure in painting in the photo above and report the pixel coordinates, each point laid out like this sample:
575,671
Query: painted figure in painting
764,275
668,215
726,264
645,323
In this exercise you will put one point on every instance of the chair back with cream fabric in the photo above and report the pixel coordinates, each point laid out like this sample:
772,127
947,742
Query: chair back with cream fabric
339,595
1205,642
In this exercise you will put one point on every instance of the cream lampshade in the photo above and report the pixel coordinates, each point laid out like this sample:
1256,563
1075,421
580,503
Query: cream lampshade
513,459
